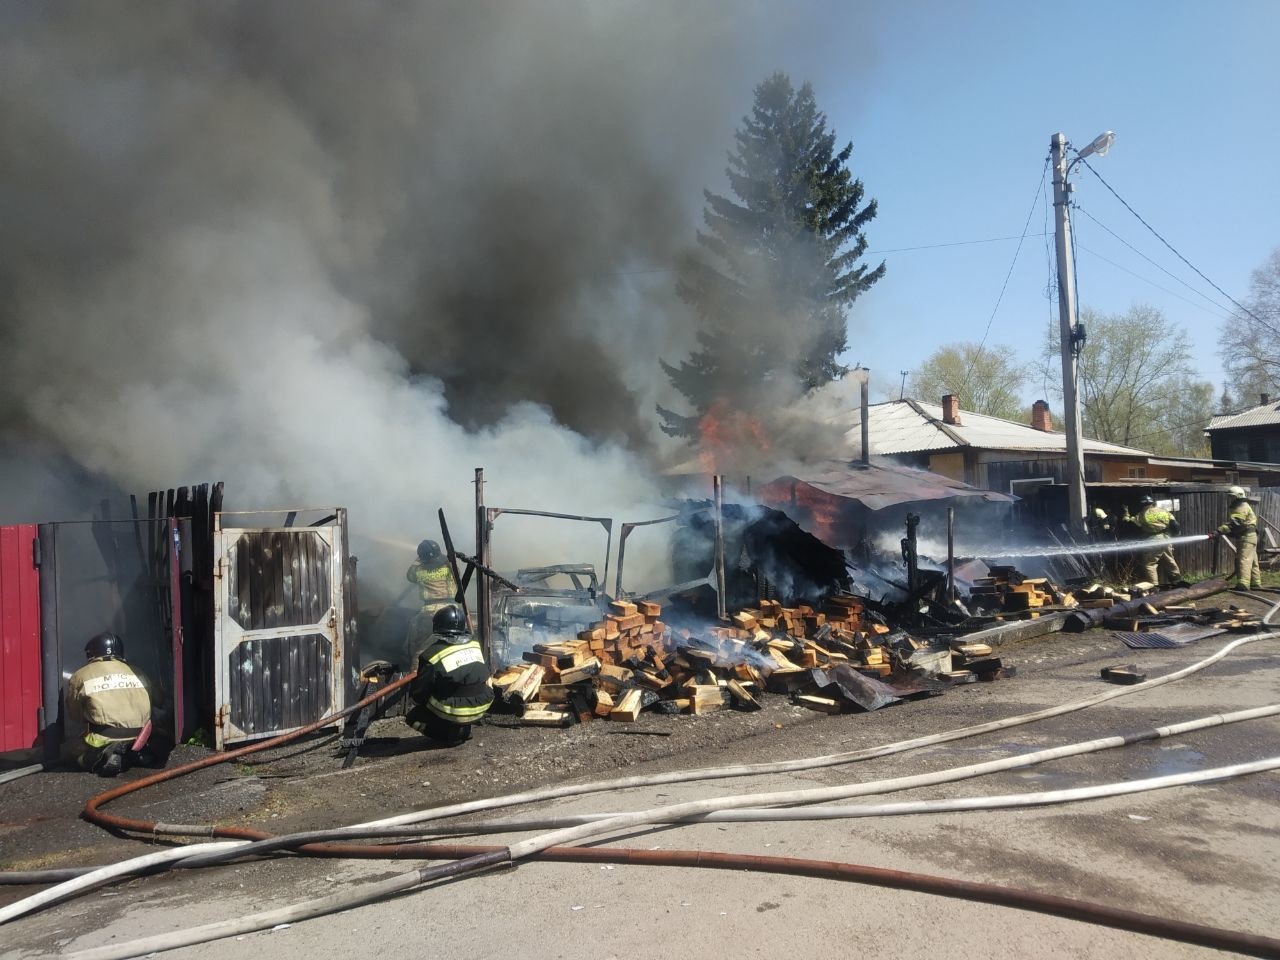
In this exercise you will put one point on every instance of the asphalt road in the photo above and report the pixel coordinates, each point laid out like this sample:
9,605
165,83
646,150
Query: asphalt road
1204,853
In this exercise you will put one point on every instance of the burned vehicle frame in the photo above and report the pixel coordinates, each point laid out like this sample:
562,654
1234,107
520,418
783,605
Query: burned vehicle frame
540,611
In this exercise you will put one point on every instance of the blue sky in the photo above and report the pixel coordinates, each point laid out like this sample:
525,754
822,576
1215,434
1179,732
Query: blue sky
951,107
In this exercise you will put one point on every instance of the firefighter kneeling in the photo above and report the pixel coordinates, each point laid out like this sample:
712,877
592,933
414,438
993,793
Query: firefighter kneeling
108,709
452,690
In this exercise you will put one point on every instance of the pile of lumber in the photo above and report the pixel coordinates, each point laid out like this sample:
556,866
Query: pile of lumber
1015,597
1097,595
632,661
972,661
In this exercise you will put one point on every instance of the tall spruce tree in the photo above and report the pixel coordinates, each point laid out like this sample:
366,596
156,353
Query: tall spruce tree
778,265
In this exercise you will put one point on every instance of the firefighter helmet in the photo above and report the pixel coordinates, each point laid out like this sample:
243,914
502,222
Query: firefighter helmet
1237,493
449,621
1146,500
104,645
429,552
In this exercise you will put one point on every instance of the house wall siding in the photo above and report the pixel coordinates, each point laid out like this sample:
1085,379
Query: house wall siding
1256,444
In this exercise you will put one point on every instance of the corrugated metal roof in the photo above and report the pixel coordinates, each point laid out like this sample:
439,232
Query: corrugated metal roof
1264,415
882,484
913,426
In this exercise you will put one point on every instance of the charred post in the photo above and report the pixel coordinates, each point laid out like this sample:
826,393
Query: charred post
718,488
482,588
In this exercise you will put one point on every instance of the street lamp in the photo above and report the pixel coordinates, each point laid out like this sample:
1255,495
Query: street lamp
1072,335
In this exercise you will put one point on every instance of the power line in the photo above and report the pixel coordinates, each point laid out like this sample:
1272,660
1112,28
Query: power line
1170,428
1241,307
1172,293
869,253
1035,198
954,243
1050,285
1159,267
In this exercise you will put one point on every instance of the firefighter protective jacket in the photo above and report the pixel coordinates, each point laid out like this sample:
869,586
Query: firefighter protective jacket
1155,522
436,584
1242,524
106,701
452,680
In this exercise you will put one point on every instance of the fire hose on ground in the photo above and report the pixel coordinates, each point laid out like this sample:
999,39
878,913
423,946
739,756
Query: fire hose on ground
708,810
94,814
485,858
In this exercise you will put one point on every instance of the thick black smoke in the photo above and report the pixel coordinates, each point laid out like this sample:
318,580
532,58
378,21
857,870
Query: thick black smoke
344,252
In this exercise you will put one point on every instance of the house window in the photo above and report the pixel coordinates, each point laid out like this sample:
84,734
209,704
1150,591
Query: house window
1137,473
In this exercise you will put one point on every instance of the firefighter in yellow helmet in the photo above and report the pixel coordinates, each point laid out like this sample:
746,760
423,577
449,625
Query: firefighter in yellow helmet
451,690
438,589
1242,528
108,709
1158,525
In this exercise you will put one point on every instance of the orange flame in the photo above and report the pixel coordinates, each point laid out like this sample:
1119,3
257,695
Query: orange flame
727,436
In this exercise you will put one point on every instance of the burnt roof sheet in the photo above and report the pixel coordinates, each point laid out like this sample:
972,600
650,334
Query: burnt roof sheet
883,484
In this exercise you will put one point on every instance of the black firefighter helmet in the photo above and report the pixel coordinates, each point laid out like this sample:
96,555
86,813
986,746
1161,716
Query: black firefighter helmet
104,645
449,621
429,552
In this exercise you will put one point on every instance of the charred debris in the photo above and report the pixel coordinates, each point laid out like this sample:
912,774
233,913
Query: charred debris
765,608
782,613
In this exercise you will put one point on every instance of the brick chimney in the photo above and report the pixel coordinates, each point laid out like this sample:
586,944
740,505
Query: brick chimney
951,409
1040,418
1266,398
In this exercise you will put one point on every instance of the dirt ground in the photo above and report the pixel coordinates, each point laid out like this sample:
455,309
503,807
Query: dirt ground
302,786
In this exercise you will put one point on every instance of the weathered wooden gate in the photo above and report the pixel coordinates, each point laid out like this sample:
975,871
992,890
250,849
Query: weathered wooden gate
280,626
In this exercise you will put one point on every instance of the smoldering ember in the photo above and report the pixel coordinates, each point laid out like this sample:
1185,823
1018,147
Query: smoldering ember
444,433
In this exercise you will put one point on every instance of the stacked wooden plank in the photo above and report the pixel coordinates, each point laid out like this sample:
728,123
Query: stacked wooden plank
632,661
975,661
1016,597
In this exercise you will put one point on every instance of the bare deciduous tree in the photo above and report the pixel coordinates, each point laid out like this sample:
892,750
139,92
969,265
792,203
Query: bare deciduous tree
986,379
1250,342
1137,384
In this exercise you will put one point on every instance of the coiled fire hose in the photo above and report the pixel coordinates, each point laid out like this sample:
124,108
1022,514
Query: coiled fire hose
486,857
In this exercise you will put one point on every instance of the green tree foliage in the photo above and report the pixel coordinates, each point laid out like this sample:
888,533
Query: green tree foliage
1250,341
1137,384
778,264
986,378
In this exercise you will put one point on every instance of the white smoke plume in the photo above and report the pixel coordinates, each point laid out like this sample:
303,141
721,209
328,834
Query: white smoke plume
344,253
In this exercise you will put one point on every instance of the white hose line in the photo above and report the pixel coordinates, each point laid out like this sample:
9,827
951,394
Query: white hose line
786,766
371,892
800,764
1266,620
904,808
784,798
367,893
21,772
809,763
107,874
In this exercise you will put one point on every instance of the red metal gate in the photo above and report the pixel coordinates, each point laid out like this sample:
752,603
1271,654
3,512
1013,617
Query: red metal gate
20,696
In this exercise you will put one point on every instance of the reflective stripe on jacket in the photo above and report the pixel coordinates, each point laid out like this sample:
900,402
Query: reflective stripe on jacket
436,584
1242,524
452,681
1153,521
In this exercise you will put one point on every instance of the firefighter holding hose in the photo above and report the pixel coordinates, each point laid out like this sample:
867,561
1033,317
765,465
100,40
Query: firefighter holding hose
1158,525
108,710
1242,528
451,690
433,577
